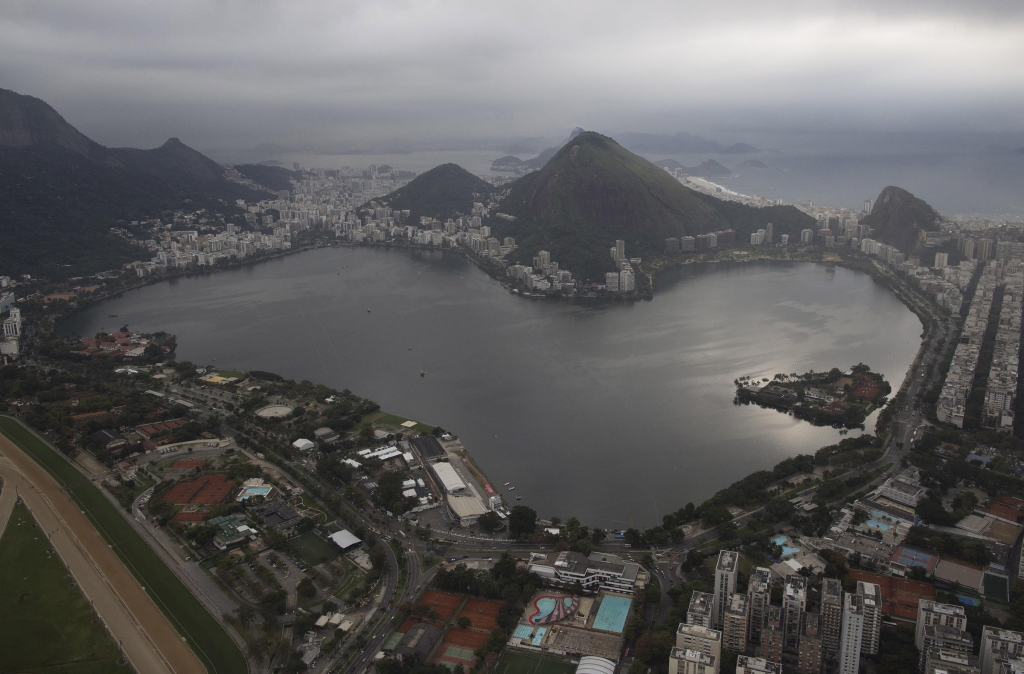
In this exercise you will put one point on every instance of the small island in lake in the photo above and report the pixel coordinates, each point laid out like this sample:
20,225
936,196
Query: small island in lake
832,398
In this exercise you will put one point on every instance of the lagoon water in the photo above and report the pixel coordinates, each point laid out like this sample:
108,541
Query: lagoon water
604,412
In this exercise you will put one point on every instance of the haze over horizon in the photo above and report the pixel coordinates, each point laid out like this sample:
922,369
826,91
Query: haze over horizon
349,75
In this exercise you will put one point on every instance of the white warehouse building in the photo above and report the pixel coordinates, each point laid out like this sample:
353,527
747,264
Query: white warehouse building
450,479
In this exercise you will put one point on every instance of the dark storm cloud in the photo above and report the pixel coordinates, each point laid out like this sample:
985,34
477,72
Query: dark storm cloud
238,73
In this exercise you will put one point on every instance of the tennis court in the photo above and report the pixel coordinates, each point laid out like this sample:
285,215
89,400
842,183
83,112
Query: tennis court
520,662
444,603
466,639
483,613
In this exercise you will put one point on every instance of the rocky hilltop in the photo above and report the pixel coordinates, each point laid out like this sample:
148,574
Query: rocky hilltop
900,219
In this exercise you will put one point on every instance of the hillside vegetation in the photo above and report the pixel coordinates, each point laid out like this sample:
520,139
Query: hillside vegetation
441,192
60,192
594,191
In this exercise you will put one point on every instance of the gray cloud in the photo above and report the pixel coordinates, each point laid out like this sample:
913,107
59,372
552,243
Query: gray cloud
226,73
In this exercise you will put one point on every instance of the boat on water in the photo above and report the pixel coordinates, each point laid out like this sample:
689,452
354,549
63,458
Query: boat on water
519,497
507,483
112,316
423,373
511,488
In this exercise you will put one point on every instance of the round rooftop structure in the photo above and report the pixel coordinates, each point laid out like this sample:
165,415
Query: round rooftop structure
273,411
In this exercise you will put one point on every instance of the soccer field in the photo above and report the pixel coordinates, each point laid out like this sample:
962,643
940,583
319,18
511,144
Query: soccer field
519,662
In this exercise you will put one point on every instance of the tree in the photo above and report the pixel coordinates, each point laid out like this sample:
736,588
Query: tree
305,588
522,521
464,622
490,521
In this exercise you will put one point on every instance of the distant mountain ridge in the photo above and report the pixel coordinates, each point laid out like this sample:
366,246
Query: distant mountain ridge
61,192
900,219
594,191
709,168
679,143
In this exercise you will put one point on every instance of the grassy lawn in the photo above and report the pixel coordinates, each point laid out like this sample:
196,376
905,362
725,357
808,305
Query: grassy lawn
521,662
312,549
49,625
386,419
189,617
237,374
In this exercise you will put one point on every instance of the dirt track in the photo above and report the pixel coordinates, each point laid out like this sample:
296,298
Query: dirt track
148,639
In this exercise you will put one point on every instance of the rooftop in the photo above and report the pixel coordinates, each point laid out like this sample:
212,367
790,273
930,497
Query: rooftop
727,561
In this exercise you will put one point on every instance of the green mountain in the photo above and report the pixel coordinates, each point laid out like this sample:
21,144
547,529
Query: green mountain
594,191
900,219
61,192
442,192
271,177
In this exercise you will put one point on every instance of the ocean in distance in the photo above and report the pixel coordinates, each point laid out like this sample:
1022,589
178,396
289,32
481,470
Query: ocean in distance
605,412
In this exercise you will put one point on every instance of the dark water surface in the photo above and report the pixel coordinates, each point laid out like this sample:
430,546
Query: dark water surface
599,412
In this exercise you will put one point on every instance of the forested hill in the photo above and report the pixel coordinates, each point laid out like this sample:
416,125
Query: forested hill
441,192
60,192
594,191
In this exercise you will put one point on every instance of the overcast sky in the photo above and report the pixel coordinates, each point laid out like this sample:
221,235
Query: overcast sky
221,73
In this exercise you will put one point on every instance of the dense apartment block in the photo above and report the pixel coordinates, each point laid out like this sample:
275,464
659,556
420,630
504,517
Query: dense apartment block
1001,389
700,609
794,605
853,634
687,661
831,617
941,661
999,646
933,613
810,657
759,596
699,638
773,636
735,625
940,637
871,600
725,583
749,665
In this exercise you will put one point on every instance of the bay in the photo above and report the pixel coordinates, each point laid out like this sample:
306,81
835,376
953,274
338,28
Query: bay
617,413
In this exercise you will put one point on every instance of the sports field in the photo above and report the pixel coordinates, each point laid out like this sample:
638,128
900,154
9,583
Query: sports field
48,624
444,603
483,613
312,549
521,662
190,618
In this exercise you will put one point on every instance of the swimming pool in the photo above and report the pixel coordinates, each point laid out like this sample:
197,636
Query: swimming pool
611,617
253,491
552,608
874,524
786,549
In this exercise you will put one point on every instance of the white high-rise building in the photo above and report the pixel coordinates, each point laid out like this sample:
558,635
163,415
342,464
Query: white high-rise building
853,634
871,601
998,645
941,260
725,583
806,235
933,613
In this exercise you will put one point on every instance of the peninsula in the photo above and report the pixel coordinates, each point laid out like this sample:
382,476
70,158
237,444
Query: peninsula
833,398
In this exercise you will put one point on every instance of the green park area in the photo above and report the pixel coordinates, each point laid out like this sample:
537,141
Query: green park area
49,626
520,662
189,617
312,549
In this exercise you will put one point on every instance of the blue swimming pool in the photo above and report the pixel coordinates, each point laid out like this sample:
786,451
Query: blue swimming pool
523,632
611,617
874,524
786,549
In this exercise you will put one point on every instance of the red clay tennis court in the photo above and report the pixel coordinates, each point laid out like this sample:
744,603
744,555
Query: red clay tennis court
205,489
465,638
444,603
483,613
189,463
